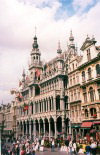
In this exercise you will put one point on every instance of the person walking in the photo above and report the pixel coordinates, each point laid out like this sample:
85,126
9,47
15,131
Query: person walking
88,149
93,147
70,146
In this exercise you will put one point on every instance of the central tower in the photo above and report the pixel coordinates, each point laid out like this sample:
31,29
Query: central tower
35,67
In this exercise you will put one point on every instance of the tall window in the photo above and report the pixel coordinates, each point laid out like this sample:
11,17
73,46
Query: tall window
86,113
85,97
70,81
88,55
93,111
83,76
91,91
58,102
89,73
75,97
99,93
74,79
98,69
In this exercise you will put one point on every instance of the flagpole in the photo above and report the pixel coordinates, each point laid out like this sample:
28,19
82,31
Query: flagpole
0,140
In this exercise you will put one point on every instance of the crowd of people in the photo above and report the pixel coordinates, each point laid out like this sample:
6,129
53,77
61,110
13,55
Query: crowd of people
29,147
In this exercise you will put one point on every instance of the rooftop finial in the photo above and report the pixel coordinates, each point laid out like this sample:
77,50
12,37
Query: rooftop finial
59,51
23,74
87,38
71,39
35,30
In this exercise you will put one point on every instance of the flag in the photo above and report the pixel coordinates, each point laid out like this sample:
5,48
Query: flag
37,72
13,91
25,107
19,96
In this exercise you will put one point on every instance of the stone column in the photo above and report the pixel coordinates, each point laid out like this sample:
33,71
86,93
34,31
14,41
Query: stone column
49,129
98,112
55,129
52,103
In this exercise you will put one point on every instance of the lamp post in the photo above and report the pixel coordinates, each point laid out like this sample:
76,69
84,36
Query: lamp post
1,130
0,137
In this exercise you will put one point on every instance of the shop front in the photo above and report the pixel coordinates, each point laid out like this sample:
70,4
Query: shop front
91,130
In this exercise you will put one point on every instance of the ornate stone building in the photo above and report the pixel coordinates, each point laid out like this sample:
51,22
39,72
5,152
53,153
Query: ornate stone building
8,120
54,97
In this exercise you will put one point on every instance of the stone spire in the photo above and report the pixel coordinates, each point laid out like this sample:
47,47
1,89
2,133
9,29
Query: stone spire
71,40
59,51
23,75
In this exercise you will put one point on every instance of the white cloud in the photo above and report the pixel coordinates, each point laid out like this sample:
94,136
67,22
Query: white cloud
17,22
80,5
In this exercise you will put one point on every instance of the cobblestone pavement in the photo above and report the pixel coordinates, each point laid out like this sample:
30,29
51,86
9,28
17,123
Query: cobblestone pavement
48,152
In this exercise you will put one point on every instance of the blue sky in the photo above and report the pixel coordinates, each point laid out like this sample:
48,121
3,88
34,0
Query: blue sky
54,19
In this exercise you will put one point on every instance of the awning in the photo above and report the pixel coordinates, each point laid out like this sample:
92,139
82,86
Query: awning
86,124
94,123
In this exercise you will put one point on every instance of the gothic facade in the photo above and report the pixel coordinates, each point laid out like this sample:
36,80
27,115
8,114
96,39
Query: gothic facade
60,97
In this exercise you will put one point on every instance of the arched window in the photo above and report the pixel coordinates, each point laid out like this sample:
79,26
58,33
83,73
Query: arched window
93,112
91,91
86,113
83,76
89,73
32,108
98,69
58,102
85,95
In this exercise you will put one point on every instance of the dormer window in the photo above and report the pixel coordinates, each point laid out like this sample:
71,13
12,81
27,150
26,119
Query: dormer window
83,76
88,55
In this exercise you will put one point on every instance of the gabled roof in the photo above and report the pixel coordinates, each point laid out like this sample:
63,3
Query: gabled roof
88,42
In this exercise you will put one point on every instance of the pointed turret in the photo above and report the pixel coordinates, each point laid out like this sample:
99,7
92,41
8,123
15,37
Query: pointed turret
59,51
71,40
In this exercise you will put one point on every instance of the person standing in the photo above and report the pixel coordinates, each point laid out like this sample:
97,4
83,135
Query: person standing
52,145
